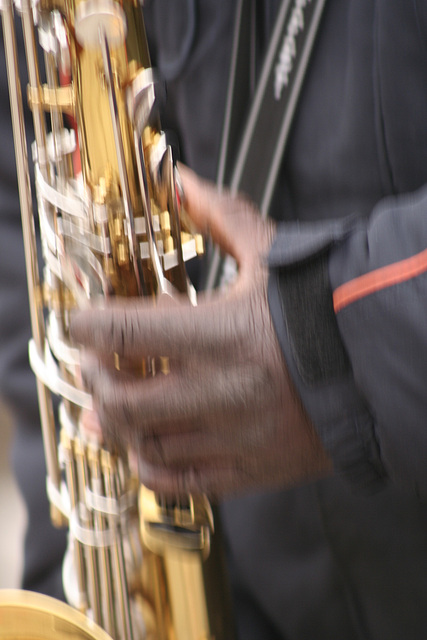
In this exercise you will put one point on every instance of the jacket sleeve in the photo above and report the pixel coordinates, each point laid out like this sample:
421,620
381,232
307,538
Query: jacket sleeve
349,303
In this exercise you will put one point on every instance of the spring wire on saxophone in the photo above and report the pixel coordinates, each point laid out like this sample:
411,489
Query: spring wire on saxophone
137,567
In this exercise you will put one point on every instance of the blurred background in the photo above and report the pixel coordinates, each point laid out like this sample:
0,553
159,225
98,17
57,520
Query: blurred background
12,511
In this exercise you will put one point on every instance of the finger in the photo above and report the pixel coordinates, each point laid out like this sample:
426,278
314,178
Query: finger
173,403
188,449
139,330
203,205
212,212
233,222
216,482
90,426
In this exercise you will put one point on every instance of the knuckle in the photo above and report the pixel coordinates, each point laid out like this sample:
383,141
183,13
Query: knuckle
110,404
152,451
117,329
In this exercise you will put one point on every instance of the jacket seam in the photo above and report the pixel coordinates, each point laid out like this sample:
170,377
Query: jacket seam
384,159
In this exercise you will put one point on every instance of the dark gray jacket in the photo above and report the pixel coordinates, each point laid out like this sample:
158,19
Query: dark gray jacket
332,559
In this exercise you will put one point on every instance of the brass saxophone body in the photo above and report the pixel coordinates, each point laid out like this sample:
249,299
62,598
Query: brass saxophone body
137,567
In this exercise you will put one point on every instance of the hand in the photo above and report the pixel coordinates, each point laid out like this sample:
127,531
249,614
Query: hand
226,418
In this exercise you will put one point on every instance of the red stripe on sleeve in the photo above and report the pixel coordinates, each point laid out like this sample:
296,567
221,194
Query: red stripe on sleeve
382,278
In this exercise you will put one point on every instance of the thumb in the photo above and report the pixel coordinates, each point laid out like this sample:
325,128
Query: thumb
233,222
210,211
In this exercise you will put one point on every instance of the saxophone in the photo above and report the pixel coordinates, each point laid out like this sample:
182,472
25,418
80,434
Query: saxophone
138,566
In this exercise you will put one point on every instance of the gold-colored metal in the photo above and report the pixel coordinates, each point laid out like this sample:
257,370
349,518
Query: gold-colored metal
61,98
31,616
140,567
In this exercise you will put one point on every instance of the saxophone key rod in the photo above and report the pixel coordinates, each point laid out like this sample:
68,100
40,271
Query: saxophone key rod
104,564
30,246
